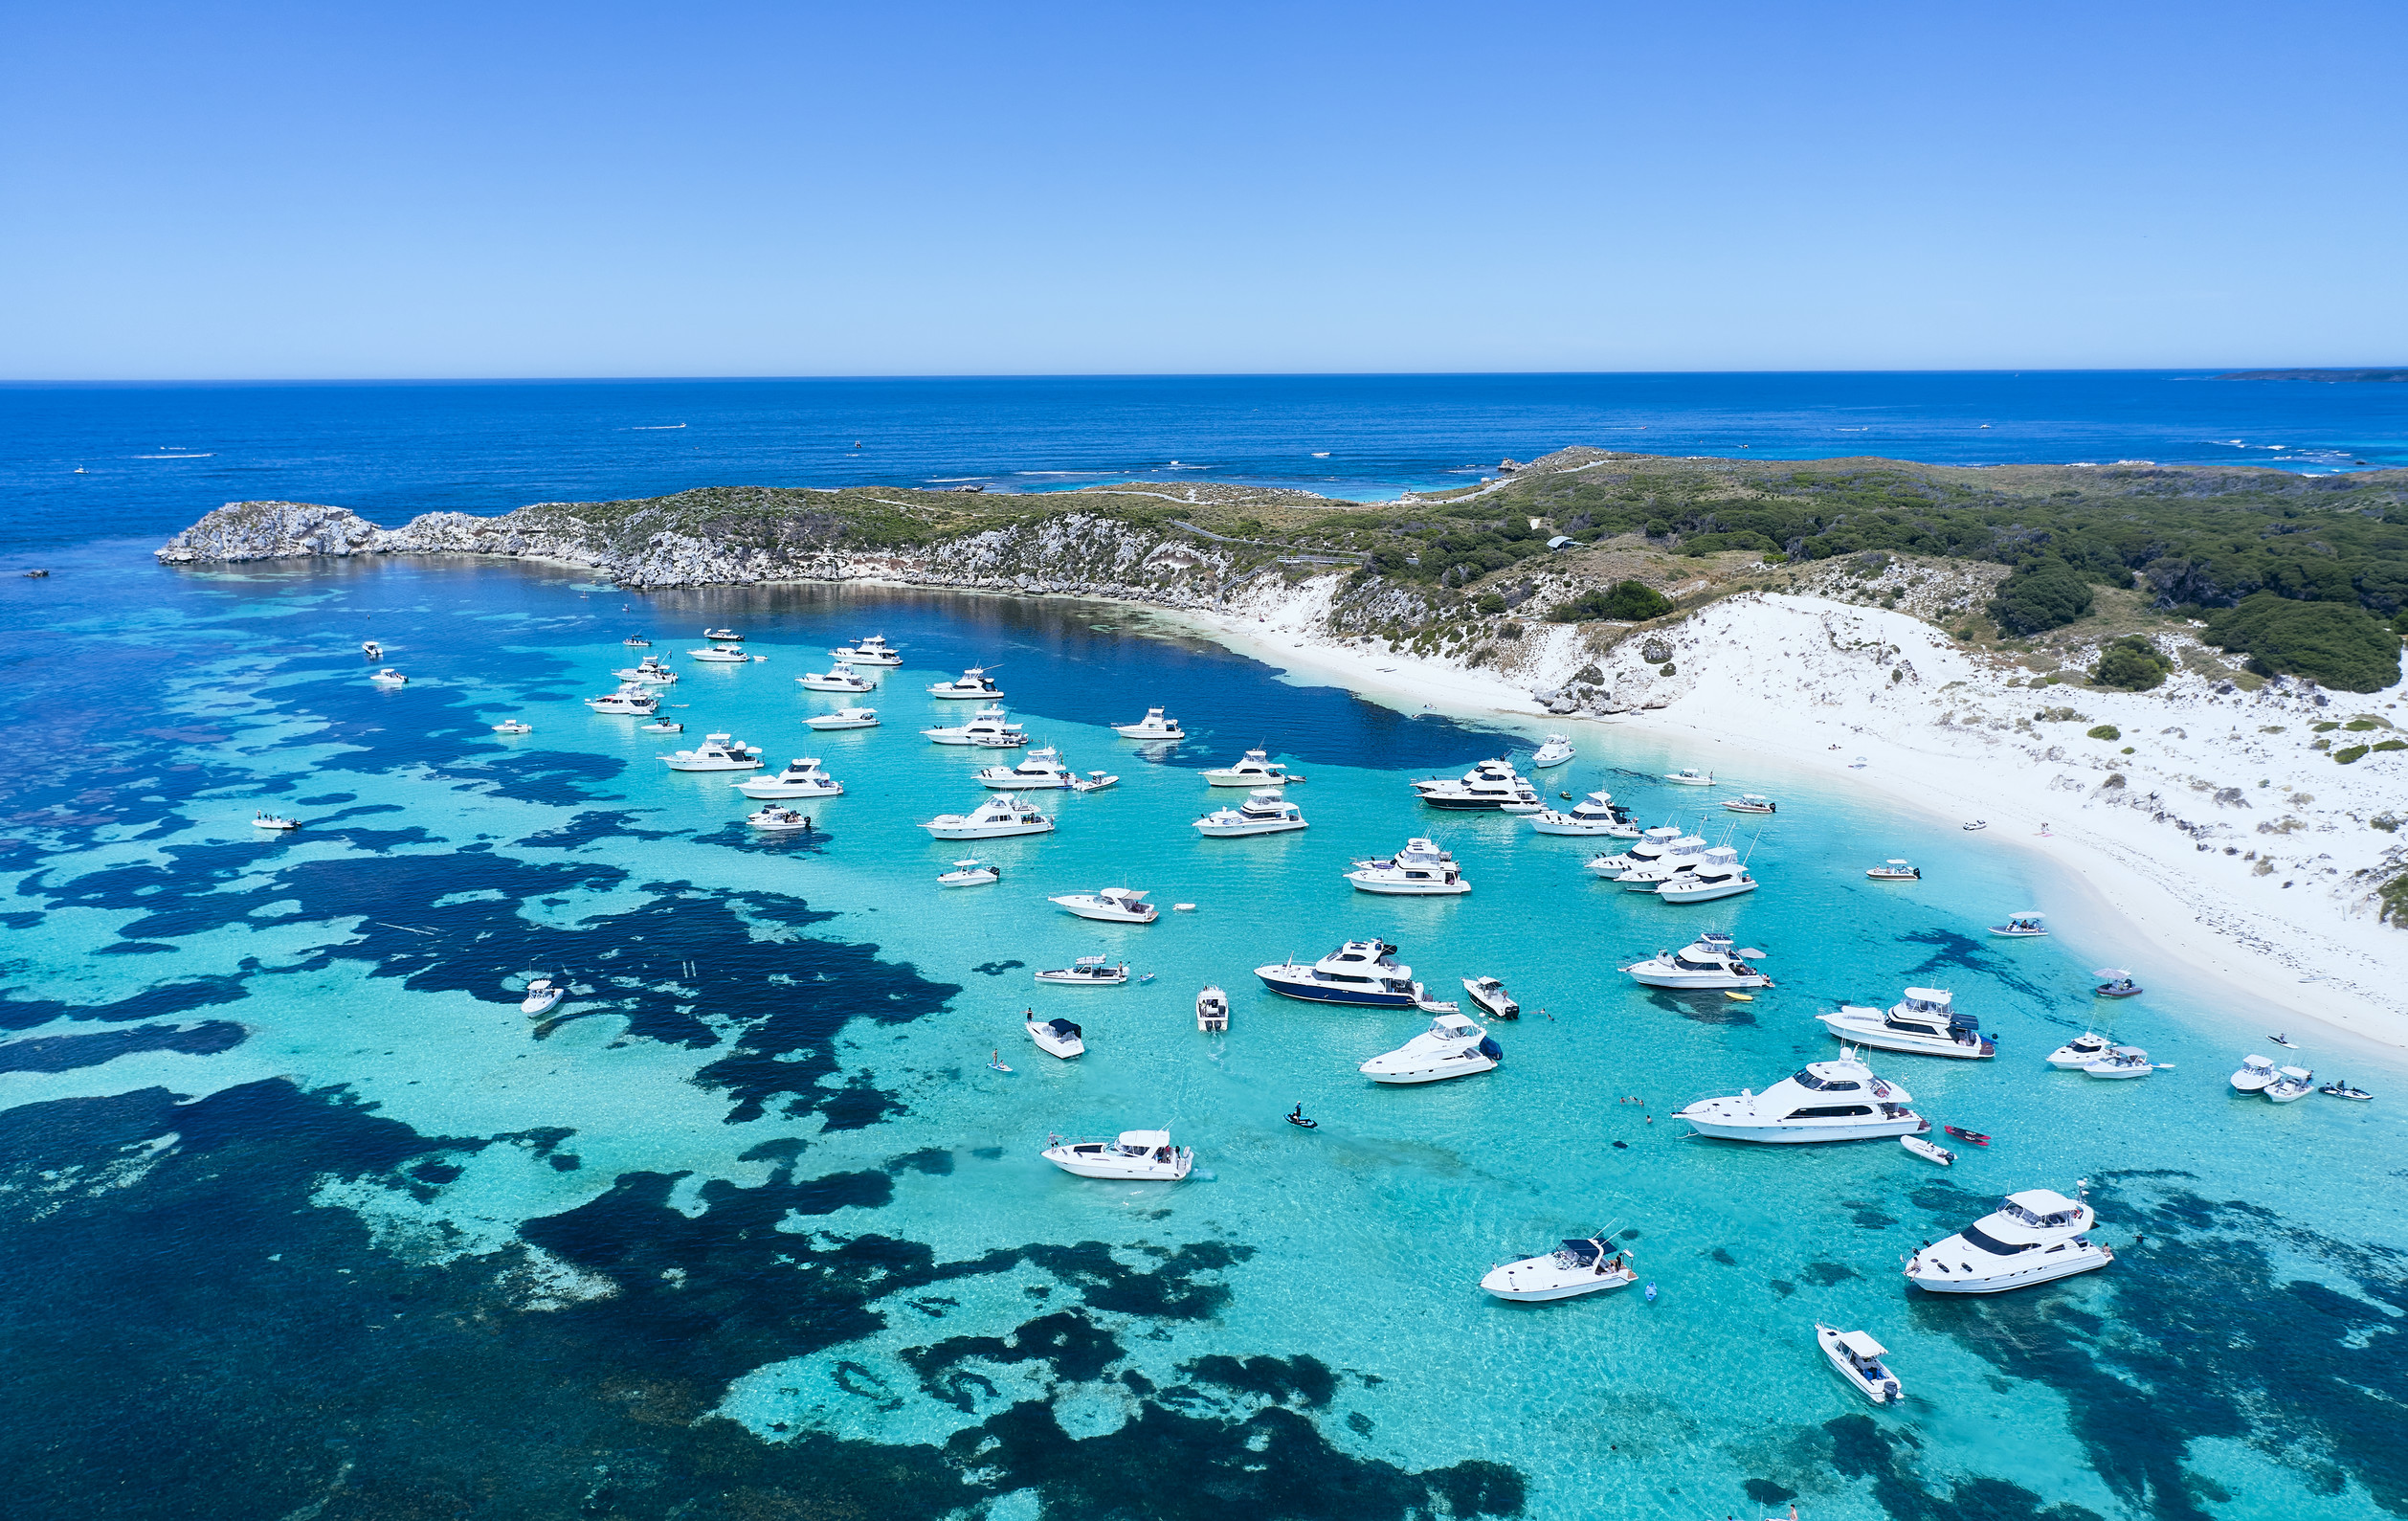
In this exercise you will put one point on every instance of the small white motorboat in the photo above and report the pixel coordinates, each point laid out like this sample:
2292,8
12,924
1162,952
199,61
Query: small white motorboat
2087,1047
542,993
2123,1062
1002,814
389,677
267,820
1894,870
1121,906
1153,725
1137,1156
2256,1075
718,753
514,725
1255,768
779,821
1055,1037
1211,1011
2025,926
838,677
1554,752
1095,782
1689,776
1971,824
2291,1085
372,650
1087,971
1859,1359
667,726
1572,1269
1929,1151
970,872
845,717
1751,803
1452,1047
803,777
975,683
1491,997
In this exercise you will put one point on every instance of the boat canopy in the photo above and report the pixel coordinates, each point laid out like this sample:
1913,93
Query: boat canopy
1064,1030
2129,1051
1144,1140
1089,961
1863,1346
1582,1253
2041,1206
1928,1001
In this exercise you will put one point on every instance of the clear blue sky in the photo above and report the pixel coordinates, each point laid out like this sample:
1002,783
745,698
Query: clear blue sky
233,189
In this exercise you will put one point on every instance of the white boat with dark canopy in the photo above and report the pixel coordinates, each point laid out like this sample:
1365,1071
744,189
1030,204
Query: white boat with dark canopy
1487,787
1593,815
1003,814
1822,1101
838,678
1155,725
2034,1237
718,753
844,718
1419,870
1118,906
988,727
1137,1156
1452,1047
1040,770
1926,1022
1360,971
1255,768
871,651
1572,1269
973,684
1859,1358
1055,1037
803,777
1707,962
1266,811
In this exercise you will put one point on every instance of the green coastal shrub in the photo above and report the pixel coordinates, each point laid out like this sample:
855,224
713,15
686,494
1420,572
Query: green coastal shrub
2045,595
2350,754
2337,643
2133,664
1628,602
2107,731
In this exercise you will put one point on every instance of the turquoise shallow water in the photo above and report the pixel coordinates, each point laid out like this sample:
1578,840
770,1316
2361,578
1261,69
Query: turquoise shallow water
300,1206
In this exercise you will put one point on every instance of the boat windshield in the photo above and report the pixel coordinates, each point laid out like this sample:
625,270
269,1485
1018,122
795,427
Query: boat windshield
1806,1079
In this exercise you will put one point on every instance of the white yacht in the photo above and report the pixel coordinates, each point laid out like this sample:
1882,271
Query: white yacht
1689,776
649,671
2033,1237
630,701
1489,786
1708,961
838,678
2123,1062
803,777
2254,1075
2028,924
970,872
975,685
724,655
1859,1359
1593,815
1750,803
1138,1157
718,753
1419,870
372,650
390,677
1119,905
636,642
724,635
1650,847
1211,1011
1264,812
1255,768
514,725
1822,1101
1679,858
1554,752
1490,997
2081,1051
1153,725
1086,972
1894,870
1572,1269
543,993
2290,1085
1360,971
1040,770
871,651
1056,1036
776,818
1003,814
1720,875
263,819
664,725
1452,1047
1925,1021
988,724
844,718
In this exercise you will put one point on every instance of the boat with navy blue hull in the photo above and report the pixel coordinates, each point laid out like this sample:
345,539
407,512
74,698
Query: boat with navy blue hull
1361,972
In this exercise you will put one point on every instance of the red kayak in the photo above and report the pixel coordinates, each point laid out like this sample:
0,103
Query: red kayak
1964,1134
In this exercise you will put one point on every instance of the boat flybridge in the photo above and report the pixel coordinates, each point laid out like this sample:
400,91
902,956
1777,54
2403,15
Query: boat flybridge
1255,768
2032,1238
1419,870
1709,961
803,777
1925,1021
1859,1358
1452,1047
633,700
649,671
1573,1268
1137,1156
1593,815
838,678
1055,1037
1679,858
973,684
1822,1101
1652,843
1040,770
1004,813
1360,971
844,718
1119,905
2083,1049
1554,752
1155,725
871,651
2254,1075
1719,875
988,727
1490,786
718,753
1266,811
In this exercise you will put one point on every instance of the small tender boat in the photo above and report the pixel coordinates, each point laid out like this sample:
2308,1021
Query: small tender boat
1255,768
1211,1011
2123,1062
1574,1267
970,872
1492,999
389,677
267,820
1554,752
1095,782
1137,1156
372,650
1155,725
974,684
514,725
845,717
1929,1151
778,820
2081,1051
2341,1090
2024,926
1122,906
1859,1359
2115,983
1452,1047
1971,824
1972,1137
1056,1036
1894,870
2254,1075
2290,1085
1751,803
1087,971
838,678
1689,776
542,993
2285,1042
667,726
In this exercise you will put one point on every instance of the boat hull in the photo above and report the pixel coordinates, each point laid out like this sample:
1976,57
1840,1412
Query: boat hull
986,831
1242,830
1881,1039
2074,1261
1686,894
1288,984
1870,1130
1247,779
1140,731
766,790
1697,981
1410,889
1133,1171
826,723
1470,805
1108,916
1436,1072
1498,1284
1600,828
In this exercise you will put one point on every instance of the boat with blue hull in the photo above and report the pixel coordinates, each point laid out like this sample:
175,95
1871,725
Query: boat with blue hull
1361,972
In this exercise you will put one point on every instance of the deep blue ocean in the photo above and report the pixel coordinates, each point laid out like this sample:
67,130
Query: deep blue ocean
300,1217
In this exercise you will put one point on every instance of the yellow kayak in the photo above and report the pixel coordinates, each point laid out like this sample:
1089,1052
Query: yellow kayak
1739,997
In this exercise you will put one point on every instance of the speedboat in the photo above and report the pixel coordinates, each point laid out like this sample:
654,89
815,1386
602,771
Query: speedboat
372,650
838,678
975,683
1492,999
803,777
1040,770
267,820
1859,1359
1720,875
636,642
514,725
2032,1238
844,718
1056,1036
1211,1011
1689,776
649,671
1573,1268
1360,971
1554,752
1419,870
1593,815
389,677
871,651
1004,813
1925,1021
1651,846
1751,803
1153,725
2086,1048
718,753
779,821
1823,1101
2123,1062
1708,961
1095,782
2338,1089
1119,905
727,636
667,726
1255,768
542,993
970,872
1452,1047
987,725
2290,1085
723,655
630,701
1137,1156
2024,926
2254,1075
1264,812
1490,785
1894,870
2115,983
1086,972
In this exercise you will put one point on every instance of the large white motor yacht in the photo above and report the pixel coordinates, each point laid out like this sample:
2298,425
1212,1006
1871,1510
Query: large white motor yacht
987,727
975,683
871,651
1360,971
1255,768
838,678
1822,1101
1004,813
1264,812
1574,1267
630,700
1489,786
2081,1051
718,753
2033,1237
1138,1157
1040,770
1648,847
1554,752
844,718
2255,1076
1593,815
650,672
1452,1047
1925,1021
1679,858
1119,905
1709,961
1056,1036
803,777
1859,1359
1419,870
1155,725
1719,875
724,655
